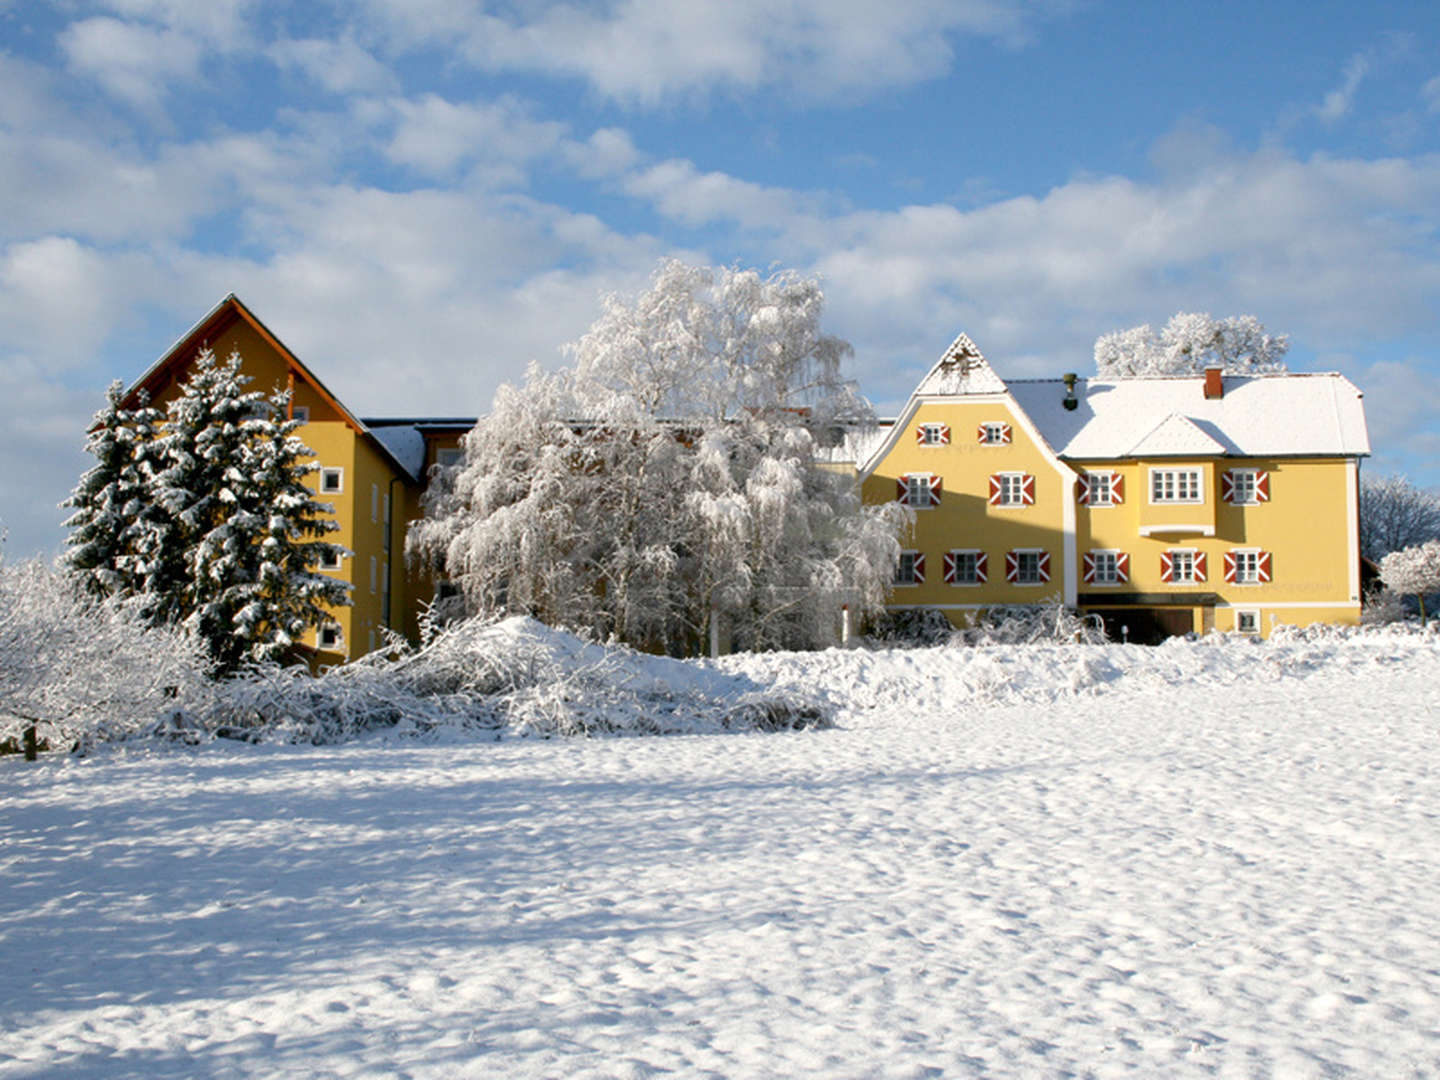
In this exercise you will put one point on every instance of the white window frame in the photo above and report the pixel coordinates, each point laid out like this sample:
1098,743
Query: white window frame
331,560
1174,478
1243,615
337,636
1251,486
1110,557
994,433
1094,482
301,413
934,435
1189,556
912,583
1012,484
1021,554
975,554
1247,566
332,474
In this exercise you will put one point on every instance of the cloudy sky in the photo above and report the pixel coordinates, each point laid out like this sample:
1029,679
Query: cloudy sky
421,196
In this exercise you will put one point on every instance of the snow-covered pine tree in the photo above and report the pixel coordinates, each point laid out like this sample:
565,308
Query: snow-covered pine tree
96,551
1188,344
671,477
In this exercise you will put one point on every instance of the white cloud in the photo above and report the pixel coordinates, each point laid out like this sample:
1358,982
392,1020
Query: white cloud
1430,94
341,67
1338,102
134,63
435,136
683,193
646,50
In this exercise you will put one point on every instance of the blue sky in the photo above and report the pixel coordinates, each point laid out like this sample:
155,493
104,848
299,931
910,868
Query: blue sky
421,196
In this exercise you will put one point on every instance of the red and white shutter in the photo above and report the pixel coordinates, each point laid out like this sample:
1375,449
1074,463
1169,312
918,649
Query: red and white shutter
1263,567
1122,566
1227,486
1230,567
919,569
1012,566
1089,569
1200,566
1117,488
996,489
982,574
982,434
935,483
920,435
1167,566
949,568
1044,566
1027,490
1262,486
902,491
1005,433
944,434
1082,489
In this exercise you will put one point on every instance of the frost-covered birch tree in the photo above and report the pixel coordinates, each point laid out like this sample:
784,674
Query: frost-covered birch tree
1188,344
1413,571
671,476
1395,514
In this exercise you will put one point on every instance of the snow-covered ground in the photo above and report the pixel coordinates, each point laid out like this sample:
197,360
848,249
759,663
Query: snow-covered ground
1190,861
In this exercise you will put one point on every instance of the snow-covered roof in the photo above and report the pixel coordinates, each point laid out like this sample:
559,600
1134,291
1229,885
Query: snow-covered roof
1257,416
405,444
961,370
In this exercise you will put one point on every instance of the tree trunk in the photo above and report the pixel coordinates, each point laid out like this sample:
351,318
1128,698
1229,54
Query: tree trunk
32,750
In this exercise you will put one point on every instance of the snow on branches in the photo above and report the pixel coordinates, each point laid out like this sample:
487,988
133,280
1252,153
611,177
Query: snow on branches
1188,344
1395,514
1413,571
668,482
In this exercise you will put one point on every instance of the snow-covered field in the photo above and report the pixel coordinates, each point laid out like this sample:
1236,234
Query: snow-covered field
1190,861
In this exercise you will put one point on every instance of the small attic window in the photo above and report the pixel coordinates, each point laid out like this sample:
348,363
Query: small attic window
301,413
332,481
330,637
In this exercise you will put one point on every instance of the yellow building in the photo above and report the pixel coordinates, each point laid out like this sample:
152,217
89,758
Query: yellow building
371,471
1162,504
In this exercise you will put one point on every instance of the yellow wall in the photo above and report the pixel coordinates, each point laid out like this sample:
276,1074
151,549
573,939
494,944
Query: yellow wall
965,519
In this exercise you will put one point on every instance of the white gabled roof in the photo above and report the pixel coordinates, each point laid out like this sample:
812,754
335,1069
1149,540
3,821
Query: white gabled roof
1175,436
1281,415
961,370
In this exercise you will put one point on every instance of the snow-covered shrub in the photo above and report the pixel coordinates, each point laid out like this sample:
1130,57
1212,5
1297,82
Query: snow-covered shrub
1414,571
1030,624
516,676
85,670
1189,343
1382,607
915,627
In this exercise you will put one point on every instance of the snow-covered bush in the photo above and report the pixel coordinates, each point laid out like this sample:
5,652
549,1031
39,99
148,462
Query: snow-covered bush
669,481
1189,343
1037,624
914,627
1414,571
517,676
1382,607
85,670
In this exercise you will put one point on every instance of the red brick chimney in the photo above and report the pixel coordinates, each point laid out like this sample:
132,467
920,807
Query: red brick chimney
1214,385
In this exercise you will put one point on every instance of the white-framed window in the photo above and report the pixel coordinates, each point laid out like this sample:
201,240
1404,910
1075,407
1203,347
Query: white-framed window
1182,566
993,433
1027,566
965,566
1176,486
374,573
330,559
332,480
447,456
1247,566
1247,620
910,570
329,637
375,503
920,490
1245,487
932,435
1012,489
301,413
1101,488
1106,567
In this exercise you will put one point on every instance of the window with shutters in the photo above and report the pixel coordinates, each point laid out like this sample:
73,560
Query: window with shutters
965,567
1012,489
1183,566
1245,487
1106,567
920,490
994,433
911,568
1102,488
1246,566
1176,486
933,435
1028,567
